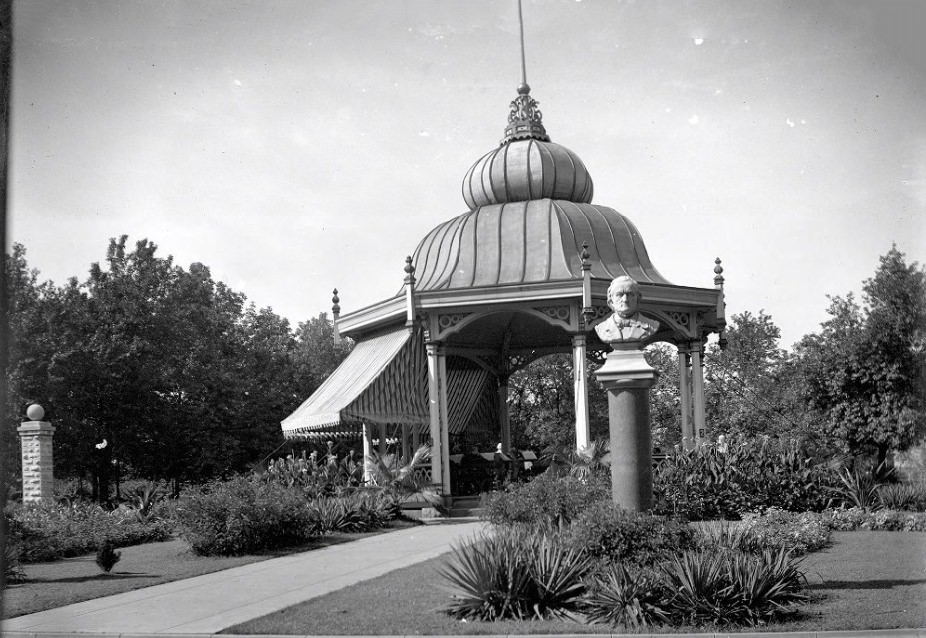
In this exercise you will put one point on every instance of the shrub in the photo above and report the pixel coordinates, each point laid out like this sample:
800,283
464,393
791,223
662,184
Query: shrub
548,500
515,574
107,557
631,597
49,531
800,533
746,475
606,531
856,518
244,515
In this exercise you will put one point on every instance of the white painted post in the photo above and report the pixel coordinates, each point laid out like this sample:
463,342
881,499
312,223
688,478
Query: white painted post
580,383
684,391
367,453
434,407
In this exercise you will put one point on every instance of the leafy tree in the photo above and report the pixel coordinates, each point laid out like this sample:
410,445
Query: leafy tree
164,364
746,386
864,372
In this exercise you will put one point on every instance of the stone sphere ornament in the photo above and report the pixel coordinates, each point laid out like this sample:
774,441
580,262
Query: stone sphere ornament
35,412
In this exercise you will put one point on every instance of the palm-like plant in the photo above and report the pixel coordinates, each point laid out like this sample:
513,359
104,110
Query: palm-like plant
581,463
401,478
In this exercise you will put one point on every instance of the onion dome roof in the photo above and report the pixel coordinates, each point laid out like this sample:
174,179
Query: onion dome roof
526,165
530,242
530,215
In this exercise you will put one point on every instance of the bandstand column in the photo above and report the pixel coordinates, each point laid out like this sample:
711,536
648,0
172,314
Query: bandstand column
444,425
434,404
367,452
684,392
504,424
697,374
580,380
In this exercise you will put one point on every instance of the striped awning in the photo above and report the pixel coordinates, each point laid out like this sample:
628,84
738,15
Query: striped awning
383,380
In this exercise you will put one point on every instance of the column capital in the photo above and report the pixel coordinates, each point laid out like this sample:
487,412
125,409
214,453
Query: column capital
579,339
38,428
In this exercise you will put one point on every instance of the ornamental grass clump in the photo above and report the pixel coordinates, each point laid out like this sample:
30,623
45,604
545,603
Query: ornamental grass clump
902,497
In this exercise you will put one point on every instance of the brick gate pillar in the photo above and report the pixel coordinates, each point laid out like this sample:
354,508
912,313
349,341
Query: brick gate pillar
35,438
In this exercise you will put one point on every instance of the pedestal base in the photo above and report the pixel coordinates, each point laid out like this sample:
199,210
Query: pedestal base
628,378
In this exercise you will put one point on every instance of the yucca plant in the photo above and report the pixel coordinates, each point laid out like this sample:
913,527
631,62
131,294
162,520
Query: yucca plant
859,488
767,585
516,573
487,581
557,574
623,597
144,499
701,591
733,588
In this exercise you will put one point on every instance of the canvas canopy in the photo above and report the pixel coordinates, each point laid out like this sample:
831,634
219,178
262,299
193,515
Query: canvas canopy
383,380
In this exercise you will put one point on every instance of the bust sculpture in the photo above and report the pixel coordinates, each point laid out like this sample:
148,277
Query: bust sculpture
627,324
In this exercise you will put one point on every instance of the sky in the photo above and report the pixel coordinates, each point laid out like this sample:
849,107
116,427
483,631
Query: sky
295,147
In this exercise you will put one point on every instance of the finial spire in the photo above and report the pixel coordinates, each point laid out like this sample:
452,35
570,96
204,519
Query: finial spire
525,119
523,63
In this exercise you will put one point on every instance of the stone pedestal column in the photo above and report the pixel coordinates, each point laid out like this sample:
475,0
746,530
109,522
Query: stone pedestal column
627,378
38,462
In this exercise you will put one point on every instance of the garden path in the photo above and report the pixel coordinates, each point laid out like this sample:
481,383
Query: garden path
209,603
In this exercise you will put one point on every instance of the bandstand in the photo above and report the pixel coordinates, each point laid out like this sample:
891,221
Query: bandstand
522,274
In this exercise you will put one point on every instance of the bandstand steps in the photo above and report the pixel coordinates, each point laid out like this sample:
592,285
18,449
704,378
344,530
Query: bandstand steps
466,506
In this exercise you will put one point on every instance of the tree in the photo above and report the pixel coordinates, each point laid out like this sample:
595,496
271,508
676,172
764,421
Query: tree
164,364
864,373
745,384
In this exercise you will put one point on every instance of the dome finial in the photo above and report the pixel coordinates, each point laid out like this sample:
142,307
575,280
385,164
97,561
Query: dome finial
524,120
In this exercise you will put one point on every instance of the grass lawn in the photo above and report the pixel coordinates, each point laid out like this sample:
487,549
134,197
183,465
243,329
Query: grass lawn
72,580
866,580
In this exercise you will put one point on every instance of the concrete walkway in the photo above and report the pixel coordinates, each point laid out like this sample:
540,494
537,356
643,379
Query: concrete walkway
210,603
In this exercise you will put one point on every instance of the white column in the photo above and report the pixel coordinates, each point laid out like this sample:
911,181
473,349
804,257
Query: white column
435,413
697,373
444,424
684,392
504,425
367,452
580,384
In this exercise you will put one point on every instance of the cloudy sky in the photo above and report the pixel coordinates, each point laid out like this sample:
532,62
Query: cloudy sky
299,146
